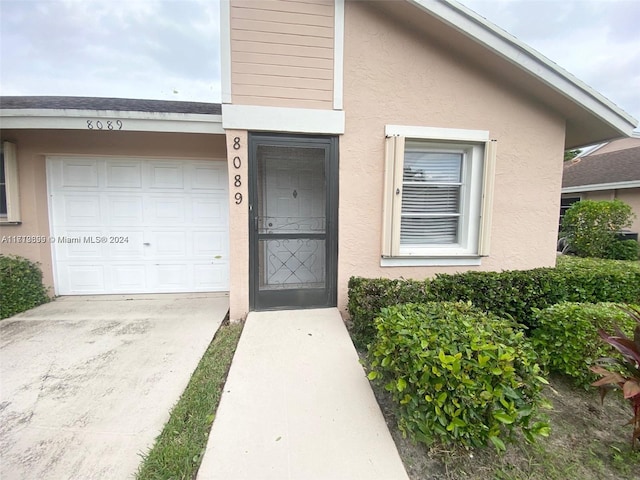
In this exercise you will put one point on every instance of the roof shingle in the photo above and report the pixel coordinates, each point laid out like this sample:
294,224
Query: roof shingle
117,104
612,167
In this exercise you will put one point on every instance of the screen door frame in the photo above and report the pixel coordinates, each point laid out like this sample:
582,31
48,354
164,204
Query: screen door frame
316,296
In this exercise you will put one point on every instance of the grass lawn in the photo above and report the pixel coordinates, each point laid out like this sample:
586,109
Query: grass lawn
178,450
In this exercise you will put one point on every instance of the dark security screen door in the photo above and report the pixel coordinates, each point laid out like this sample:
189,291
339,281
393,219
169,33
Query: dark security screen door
293,213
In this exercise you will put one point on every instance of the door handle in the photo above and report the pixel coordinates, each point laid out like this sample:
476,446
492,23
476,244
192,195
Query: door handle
146,244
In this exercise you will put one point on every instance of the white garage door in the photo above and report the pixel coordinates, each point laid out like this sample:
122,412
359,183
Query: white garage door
138,226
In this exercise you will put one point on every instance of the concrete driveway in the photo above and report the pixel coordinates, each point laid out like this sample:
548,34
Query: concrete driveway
87,383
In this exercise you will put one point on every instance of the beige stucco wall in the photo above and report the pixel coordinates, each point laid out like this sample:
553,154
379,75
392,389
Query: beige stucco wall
630,196
396,76
282,53
33,147
238,223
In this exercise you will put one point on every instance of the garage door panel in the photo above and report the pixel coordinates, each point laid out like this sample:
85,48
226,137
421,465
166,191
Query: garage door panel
80,173
170,277
162,225
125,210
85,279
167,176
124,244
80,245
129,278
210,244
124,175
165,210
212,211
82,210
210,276
209,178
169,244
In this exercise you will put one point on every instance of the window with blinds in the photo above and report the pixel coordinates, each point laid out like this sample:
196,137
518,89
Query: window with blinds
431,197
438,198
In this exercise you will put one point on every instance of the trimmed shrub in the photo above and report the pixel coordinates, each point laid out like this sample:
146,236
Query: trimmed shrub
591,227
368,296
457,374
21,286
567,339
506,294
624,250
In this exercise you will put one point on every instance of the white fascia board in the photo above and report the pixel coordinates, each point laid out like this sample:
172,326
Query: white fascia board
225,50
433,133
513,50
67,119
602,186
338,54
278,119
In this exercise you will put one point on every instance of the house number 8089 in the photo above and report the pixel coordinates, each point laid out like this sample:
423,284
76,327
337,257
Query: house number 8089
237,163
106,125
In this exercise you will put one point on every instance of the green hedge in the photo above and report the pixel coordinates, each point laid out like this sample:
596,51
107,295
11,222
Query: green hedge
21,286
458,375
567,339
512,293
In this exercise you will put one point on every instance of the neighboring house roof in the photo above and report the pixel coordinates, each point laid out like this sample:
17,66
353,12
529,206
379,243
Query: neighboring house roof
115,104
617,144
613,170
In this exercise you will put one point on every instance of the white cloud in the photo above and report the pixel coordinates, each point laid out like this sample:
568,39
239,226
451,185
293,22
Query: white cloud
142,49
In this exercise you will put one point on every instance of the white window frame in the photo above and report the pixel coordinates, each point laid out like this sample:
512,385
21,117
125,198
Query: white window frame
11,184
476,195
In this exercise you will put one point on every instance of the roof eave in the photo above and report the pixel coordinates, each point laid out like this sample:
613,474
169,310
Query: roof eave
507,46
602,186
72,119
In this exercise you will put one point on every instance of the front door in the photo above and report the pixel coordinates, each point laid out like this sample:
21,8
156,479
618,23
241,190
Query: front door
293,221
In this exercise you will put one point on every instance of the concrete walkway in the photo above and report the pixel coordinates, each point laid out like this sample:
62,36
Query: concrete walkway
297,405
88,382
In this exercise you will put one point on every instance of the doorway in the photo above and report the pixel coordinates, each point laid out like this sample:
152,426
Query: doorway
293,210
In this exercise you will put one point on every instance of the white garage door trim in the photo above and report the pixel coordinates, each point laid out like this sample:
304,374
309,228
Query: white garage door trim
122,225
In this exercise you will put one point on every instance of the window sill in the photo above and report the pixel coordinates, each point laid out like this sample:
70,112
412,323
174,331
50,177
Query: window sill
6,223
430,261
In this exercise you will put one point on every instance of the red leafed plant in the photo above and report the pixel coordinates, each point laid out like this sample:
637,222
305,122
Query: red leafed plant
625,373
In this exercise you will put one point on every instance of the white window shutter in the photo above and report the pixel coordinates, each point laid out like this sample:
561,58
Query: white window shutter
387,207
11,179
397,194
486,212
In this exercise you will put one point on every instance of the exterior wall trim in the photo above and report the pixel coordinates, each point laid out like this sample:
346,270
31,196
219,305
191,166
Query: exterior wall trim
430,262
65,119
602,186
225,50
280,119
338,55
435,133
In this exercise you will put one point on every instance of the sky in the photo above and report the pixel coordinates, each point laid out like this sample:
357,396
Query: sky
169,49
